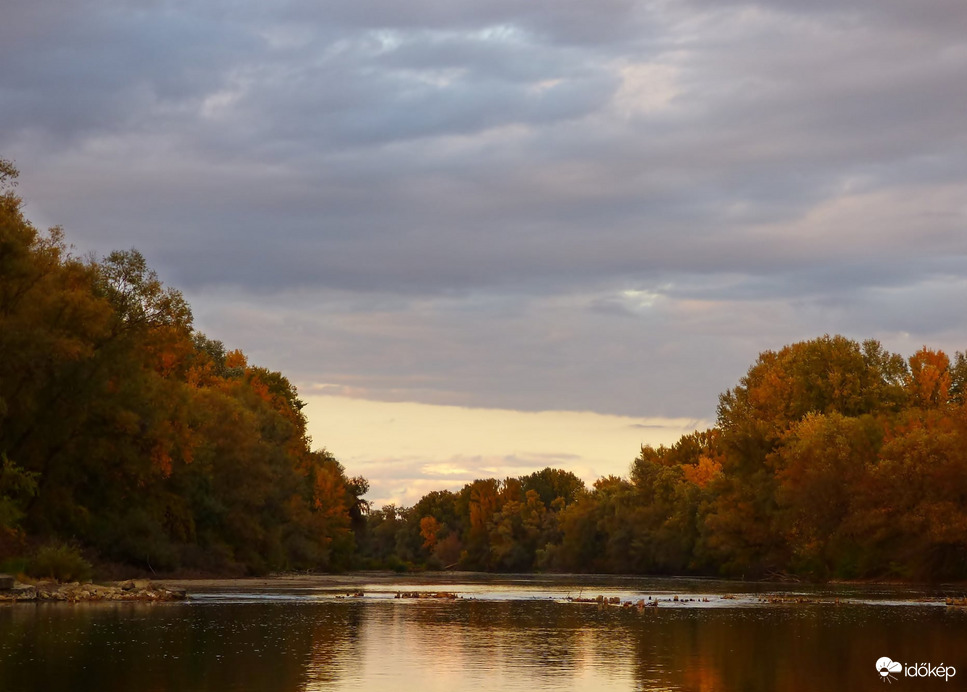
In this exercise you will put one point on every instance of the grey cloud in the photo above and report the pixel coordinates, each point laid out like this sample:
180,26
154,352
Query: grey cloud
670,359
567,21
450,201
444,354
930,15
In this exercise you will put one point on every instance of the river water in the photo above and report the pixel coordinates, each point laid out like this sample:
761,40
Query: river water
508,633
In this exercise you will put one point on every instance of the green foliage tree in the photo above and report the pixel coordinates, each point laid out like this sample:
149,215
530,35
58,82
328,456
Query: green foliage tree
16,488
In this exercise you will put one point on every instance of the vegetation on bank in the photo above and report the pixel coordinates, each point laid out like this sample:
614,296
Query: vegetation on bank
830,459
139,440
126,436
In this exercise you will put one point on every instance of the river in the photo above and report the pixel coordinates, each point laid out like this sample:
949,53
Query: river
502,633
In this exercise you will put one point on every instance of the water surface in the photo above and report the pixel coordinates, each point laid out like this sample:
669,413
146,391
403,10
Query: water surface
516,633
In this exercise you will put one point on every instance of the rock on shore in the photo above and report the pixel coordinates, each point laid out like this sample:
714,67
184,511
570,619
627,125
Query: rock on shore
74,592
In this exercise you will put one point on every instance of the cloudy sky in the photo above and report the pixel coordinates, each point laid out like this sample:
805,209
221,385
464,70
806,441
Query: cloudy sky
444,216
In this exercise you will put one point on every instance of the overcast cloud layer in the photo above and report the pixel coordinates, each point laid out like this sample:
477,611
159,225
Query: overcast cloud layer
608,206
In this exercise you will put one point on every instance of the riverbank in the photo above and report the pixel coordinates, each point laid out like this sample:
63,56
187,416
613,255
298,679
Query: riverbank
429,577
74,592
179,588
692,592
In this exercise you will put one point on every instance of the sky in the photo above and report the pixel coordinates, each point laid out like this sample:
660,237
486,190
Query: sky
462,213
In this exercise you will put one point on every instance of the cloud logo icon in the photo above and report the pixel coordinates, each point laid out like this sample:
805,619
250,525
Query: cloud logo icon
885,666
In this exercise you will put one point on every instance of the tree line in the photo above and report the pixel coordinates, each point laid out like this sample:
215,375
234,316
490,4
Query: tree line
829,459
128,433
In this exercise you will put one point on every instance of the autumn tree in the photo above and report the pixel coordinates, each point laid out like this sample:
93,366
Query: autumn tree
822,468
929,378
125,429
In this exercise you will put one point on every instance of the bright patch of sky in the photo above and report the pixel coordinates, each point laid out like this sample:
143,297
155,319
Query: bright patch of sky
406,449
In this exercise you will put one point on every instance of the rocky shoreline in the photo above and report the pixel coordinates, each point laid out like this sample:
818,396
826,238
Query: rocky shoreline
12,591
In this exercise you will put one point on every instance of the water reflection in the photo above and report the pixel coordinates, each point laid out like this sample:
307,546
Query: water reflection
169,647
307,645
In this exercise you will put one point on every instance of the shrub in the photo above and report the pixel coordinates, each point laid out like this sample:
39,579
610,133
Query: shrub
13,565
59,561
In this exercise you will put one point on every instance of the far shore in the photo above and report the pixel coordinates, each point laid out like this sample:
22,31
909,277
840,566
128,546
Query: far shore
304,580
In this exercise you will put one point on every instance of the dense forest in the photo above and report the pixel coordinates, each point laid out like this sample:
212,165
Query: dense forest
128,435
830,459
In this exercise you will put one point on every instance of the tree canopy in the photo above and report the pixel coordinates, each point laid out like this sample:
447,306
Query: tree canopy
126,430
830,458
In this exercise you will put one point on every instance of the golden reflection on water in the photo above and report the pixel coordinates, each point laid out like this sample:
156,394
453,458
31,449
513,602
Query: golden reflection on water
473,645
